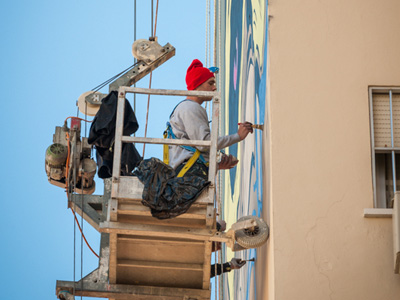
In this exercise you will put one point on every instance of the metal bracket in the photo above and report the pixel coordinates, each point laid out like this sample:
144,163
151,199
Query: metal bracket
97,277
246,224
150,56
142,68
229,237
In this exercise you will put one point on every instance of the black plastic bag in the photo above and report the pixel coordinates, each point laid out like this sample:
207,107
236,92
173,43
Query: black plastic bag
167,195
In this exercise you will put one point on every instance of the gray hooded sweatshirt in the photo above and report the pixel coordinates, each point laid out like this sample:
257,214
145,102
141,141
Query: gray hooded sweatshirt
189,121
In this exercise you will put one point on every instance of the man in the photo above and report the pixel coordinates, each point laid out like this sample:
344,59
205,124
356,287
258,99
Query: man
189,121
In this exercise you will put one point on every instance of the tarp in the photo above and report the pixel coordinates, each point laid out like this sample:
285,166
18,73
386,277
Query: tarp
167,195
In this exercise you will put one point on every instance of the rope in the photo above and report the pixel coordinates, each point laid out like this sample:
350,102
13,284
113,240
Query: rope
207,45
216,285
215,33
68,192
152,15
76,222
206,50
151,76
212,59
69,196
81,151
215,278
80,119
218,57
135,60
83,235
74,268
218,198
209,33
155,23
82,246
74,184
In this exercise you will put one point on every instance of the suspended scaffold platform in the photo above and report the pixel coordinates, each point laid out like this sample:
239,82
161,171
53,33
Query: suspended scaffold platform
142,257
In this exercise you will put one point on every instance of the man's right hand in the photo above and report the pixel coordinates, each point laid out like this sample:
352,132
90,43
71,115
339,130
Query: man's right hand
237,263
244,129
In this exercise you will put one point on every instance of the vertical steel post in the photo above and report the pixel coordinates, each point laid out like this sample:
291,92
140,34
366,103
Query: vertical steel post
214,140
118,136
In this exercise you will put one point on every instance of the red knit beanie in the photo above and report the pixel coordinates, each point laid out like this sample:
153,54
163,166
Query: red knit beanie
196,75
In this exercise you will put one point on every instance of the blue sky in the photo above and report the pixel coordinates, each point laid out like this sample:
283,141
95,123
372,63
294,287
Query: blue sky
52,52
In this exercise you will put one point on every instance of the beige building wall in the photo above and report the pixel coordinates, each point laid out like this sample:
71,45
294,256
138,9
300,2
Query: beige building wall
322,57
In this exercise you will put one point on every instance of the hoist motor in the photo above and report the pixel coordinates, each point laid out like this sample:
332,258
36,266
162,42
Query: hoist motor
68,162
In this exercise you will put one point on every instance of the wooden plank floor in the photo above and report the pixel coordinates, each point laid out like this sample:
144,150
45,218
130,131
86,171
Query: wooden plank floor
146,251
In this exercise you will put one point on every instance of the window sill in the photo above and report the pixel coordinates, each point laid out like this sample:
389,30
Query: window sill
378,212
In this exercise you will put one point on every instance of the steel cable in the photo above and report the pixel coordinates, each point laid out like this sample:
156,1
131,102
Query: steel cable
101,85
151,76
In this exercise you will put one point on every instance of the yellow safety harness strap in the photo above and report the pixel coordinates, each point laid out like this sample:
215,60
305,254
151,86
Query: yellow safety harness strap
189,163
166,150
168,133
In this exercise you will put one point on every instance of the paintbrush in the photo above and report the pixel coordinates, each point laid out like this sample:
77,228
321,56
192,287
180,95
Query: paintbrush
256,126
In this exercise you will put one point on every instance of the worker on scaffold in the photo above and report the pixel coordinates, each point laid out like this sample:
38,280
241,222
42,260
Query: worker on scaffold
189,121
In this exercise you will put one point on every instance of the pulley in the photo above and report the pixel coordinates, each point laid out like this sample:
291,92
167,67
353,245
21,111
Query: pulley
90,105
147,50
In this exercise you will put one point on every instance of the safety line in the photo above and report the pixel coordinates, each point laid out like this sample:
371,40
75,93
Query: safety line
152,15
206,104
151,76
83,235
67,186
208,107
155,22
215,33
209,33
74,184
206,50
68,196
216,275
82,207
74,268
218,183
134,60
220,177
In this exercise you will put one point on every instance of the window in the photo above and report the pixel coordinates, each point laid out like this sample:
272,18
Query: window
385,141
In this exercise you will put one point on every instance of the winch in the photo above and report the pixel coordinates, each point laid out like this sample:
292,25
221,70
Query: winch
68,163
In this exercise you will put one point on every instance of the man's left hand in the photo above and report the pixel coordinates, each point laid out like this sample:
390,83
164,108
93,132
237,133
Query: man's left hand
227,162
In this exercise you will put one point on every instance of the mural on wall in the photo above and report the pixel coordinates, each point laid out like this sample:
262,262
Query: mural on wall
244,92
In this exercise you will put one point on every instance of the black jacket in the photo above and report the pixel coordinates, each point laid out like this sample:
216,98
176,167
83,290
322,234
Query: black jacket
102,136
